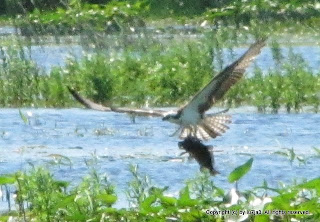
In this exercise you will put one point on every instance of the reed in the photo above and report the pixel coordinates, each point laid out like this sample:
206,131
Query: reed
159,75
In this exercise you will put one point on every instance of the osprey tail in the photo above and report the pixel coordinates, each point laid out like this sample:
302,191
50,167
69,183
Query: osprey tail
211,126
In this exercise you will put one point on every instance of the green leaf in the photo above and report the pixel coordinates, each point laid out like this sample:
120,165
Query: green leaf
312,184
60,183
76,216
7,180
282,202
66,201
185,200
240,171
107,198
292,154
317,150
281,153
193,215
146,205
165,200
110,210
4,218
220,192
60,159
261,218
23,117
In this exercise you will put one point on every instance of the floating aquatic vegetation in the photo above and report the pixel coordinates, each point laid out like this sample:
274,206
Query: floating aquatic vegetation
146,131
59,160
23,117
292,156
106,131
317,150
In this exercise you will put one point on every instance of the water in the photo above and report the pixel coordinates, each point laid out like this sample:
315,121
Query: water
77,133
47,57
7,30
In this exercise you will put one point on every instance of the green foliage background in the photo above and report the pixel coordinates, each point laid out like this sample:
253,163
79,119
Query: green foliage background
158,74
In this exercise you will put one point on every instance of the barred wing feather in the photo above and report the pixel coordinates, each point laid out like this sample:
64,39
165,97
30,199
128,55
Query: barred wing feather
222,82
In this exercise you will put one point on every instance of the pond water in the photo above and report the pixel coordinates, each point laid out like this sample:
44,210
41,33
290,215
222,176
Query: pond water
118,142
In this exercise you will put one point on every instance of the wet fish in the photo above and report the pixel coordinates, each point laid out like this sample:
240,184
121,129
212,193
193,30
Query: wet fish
201,153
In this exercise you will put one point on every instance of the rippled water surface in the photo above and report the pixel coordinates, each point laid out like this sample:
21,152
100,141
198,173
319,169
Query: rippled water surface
118,142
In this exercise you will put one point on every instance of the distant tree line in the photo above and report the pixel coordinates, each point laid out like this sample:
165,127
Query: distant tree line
13,7
170,7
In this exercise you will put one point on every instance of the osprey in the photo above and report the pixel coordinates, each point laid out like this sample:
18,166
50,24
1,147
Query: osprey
191,117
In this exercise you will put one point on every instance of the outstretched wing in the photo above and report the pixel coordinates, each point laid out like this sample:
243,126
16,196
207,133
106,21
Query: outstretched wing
222,82
138,112
88,103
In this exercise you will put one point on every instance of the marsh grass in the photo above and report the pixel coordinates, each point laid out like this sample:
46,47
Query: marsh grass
19,78
158,74
291,84
291,155
139,187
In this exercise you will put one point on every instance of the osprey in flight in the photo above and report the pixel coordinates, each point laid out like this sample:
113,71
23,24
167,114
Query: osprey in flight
191,117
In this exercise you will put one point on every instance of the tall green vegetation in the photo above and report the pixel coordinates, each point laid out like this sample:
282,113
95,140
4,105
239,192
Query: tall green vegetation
158,74
291,85
20,80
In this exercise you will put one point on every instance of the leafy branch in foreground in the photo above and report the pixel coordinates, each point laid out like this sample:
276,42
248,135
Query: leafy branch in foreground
40,197
139,187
